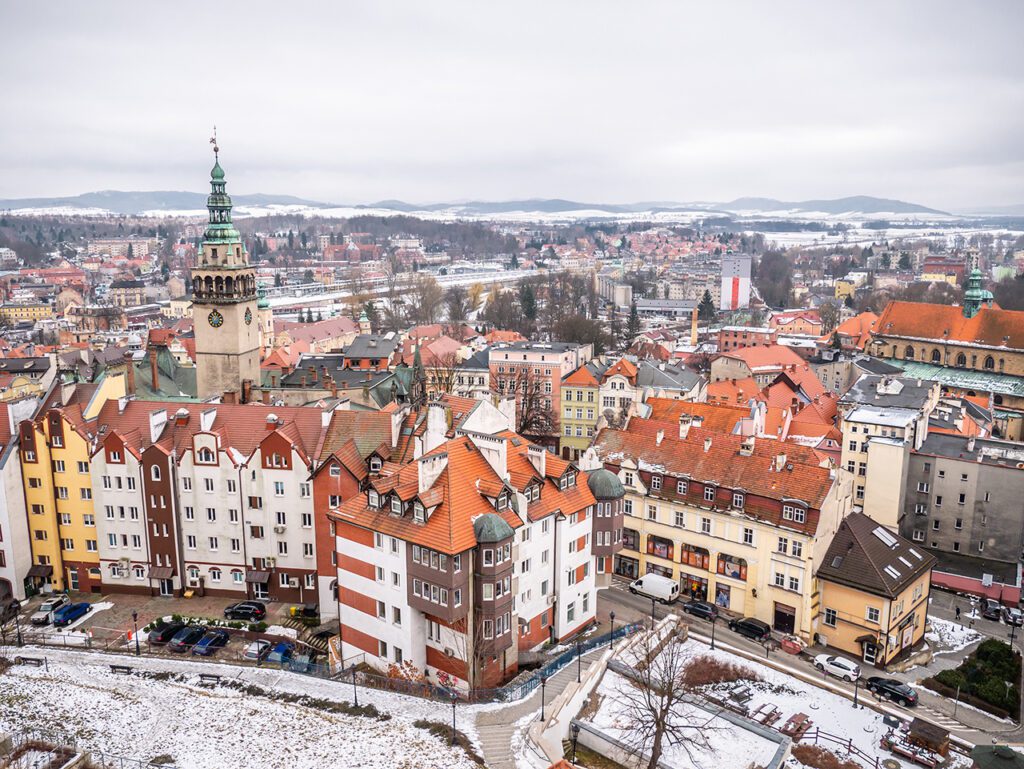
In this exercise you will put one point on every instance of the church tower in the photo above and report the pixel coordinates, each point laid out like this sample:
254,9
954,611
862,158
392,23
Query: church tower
224,300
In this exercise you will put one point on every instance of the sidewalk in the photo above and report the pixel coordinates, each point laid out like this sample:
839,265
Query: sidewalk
496,728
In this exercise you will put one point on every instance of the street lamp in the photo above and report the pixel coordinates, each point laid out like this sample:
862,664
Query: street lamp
17,627
543,683
454,698
574,728
611,636
654,617
856,688
135,623
355,691
714,623
579,662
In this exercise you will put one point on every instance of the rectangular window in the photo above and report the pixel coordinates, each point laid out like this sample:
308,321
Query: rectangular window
798,549
705,525
830,617
680,519
737,500
656,483
278,488
783,546
748,536
681,487
214,543
872,614
709,493
780,579
208,484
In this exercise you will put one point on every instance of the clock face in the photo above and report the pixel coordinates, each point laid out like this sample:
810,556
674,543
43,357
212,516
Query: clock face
216,319
248,316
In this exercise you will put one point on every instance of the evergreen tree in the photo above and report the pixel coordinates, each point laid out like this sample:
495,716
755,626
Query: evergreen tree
706,311
633,324
528,301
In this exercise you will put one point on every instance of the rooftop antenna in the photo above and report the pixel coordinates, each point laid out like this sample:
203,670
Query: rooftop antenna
213,141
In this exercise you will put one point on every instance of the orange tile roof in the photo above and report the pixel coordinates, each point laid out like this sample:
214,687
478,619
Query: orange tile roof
581,377
621,367
859,328
992,326
719,418
500,335
733,390
369,429
768,357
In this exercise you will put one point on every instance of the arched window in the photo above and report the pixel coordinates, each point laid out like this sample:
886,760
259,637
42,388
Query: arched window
206,455
961,360
990,363
154,472
215,574
936,357
909,353
1002,363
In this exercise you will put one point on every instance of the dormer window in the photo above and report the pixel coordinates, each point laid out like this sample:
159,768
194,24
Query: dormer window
375,464
335,471
737,500
419,512
709,493
396,506
501,502
205,456
655,483
374,499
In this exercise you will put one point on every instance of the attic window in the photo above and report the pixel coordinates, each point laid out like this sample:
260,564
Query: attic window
892,572
419,513
374,498
206,456
375,464
335,471
396,506
837,562
501,502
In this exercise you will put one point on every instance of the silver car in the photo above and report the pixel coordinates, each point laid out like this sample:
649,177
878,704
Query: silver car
44,614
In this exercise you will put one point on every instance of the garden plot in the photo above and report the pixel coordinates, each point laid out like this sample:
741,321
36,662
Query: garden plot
945,637
218,727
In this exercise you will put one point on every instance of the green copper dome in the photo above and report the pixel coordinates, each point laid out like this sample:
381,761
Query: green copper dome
975,296
491,527
604,484
219,229
217,172
263,303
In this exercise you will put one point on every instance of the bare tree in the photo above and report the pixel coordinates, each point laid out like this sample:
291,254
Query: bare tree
426,297
535,415
457,303
829,314
443,372
659,701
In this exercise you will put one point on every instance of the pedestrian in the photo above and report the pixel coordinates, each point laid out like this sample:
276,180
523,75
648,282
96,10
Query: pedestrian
957,613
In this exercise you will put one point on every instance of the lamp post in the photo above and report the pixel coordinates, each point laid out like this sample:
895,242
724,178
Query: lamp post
579,662
543,683
355,691
17,628
574,728
654,617
454,698
714,623
611,636
135,624
856,688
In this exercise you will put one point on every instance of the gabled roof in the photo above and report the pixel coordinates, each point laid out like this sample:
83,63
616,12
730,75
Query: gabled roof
992,326
623,367
366,429
718,418
738,391
867,556
767,358
857,329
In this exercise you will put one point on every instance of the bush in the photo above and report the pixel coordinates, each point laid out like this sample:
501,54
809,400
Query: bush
257,627
706,670
982,679
819,758
954,679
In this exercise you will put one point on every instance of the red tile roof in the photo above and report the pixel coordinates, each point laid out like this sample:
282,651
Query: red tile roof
718,418
768,357
858,329
733,390
992,326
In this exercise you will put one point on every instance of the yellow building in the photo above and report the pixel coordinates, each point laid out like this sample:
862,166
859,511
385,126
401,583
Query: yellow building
55,451
844,288
874,587
579,408
740,522
15,312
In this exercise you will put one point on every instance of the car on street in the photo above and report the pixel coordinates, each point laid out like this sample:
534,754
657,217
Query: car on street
250,611
186,638
891,689
44,614
211,641
751,628
257,650
68,613
9,608
701,609
164,634
281,654
1013,616
991,609
656,587
837,666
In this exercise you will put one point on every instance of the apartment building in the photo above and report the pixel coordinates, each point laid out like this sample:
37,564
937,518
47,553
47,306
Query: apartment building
453,561
739,521
580,408
762,364
736,337
15,547
212,499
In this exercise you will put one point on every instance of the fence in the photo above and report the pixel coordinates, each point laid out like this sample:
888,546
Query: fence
29,749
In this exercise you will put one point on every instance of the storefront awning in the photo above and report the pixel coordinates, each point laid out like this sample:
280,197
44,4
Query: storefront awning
161,572
866,639
40,570
257,577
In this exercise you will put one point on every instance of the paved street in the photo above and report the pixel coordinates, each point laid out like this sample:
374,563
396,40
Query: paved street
966,723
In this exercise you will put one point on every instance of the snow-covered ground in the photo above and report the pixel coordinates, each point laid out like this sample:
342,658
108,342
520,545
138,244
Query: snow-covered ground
945,637
830,712
220,727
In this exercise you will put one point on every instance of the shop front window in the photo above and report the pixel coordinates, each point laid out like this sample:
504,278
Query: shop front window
730,566
631,539
662,548
697,557
722,596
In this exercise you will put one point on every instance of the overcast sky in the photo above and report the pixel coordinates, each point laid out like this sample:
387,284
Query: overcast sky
631,100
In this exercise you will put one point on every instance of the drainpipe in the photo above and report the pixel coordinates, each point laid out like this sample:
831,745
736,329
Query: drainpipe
558,517
179,551
146,522
241,520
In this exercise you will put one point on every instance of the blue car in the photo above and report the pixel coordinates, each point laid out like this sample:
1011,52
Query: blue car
65,615
281,654
209,643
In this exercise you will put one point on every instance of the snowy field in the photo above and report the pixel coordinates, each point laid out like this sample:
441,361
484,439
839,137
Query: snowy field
211,728
945,637
830,712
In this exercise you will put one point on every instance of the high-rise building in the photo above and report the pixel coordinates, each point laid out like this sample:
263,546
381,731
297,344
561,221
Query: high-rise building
735,281
224,301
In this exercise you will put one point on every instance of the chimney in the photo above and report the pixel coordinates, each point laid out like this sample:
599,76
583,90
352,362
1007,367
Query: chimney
129,373
684,426
707,445
538,458
428,468
266,397
437,427
271,421
246,390
970,443
181,417
230,397
747,446
780,462
154,370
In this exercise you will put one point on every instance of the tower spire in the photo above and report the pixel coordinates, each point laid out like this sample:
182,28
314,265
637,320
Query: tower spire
213,141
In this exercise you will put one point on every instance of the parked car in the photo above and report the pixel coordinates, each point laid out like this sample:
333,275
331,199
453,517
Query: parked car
68,613
185,638
9,608
656,586
1013,616
701,609
281,654
991,609
751,628
211,641
891,689
257,650
44,614
837,666
165,634
250,611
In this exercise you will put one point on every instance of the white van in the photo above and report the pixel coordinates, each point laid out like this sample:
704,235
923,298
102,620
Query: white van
656,586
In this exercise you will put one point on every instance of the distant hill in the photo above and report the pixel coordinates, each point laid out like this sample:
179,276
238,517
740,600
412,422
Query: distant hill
864,204
135,202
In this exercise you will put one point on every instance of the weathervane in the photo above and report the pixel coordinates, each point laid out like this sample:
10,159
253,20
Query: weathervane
213,141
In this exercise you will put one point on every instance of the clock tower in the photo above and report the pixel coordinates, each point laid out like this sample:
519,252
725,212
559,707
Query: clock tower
224,312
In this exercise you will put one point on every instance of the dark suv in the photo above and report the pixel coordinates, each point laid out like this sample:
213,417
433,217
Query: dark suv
250,611
701,609
991,609
751,628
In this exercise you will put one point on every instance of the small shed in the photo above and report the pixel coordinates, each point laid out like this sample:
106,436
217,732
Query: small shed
929,736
